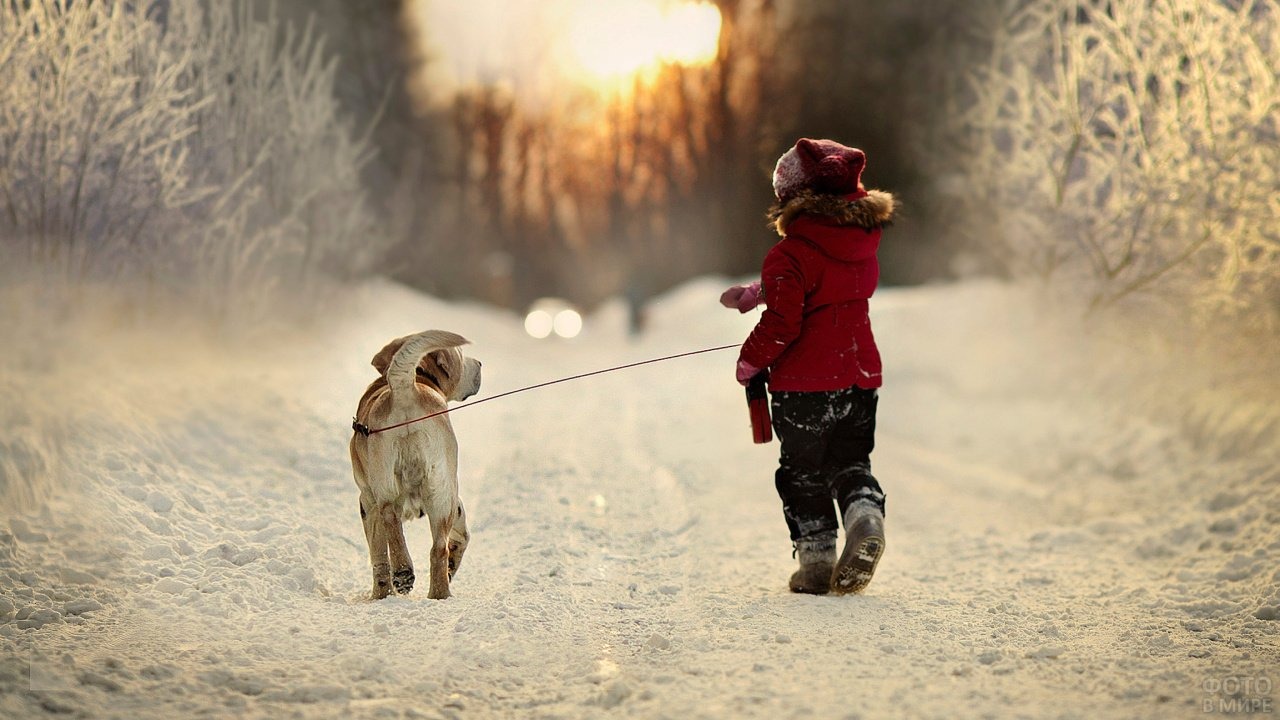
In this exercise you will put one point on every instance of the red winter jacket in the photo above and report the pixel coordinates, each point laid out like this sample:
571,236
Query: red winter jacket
815,333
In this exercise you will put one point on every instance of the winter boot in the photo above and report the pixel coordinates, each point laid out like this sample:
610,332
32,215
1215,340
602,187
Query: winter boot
817,554
863,546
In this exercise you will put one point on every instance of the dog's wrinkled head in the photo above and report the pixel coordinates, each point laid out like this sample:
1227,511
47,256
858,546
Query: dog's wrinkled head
459,538
454,374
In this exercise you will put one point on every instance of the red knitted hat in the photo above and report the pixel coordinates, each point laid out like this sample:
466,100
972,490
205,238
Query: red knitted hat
823,166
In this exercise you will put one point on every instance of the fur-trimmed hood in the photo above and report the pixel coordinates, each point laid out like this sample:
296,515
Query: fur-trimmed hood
870,211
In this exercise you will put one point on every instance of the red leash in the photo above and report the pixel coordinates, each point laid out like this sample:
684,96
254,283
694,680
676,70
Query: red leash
366,431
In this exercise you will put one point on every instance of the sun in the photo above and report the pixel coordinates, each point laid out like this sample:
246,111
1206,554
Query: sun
616,40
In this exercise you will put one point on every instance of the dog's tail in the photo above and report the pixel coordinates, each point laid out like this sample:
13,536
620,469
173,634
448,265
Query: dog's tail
404,365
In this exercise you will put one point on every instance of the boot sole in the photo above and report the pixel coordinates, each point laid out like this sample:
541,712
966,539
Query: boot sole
857,564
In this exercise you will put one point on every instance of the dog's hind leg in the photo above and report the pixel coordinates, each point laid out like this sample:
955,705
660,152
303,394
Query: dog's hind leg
376,536
440,557
401,563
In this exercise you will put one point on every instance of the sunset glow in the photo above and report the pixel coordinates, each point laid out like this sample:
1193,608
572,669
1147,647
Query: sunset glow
615,40
538,49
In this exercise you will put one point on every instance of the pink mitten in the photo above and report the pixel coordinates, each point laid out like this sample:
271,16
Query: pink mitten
729,298
743,297
746,371
750,298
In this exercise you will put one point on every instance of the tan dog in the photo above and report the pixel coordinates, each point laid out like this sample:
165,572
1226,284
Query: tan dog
412,471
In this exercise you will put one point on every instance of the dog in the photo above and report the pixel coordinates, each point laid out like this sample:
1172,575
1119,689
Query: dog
412,471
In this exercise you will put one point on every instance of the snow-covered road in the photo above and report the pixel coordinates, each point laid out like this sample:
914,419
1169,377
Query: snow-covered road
194,548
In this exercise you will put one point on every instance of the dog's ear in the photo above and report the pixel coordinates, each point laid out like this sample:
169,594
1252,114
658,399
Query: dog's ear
443,362
443,365
382,360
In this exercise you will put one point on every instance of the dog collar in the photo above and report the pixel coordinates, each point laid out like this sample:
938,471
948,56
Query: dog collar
434,380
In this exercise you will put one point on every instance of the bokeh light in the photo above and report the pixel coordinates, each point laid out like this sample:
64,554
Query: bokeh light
539,324
568,323
553,316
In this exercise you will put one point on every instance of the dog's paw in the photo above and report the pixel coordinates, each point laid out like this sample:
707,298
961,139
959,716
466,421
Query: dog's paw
403,581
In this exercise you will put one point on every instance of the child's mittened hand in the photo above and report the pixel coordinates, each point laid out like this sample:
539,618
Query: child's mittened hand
746,371
743,297
750,298
729,298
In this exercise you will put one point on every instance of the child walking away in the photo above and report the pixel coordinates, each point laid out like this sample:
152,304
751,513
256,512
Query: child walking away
814,339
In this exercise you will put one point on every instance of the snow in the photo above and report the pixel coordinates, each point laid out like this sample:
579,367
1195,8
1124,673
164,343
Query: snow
180,533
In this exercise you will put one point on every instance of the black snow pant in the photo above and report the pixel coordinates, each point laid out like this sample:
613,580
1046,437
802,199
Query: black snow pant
827,438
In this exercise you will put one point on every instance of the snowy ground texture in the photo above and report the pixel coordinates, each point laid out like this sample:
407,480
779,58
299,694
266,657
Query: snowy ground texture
179,533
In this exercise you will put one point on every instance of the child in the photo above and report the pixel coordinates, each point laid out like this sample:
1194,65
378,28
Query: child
815,341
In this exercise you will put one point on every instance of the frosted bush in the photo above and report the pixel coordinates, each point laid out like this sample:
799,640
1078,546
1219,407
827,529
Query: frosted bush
200,149
1132,146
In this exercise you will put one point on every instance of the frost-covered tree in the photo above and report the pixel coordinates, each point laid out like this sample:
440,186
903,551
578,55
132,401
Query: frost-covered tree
1132,147
200,149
